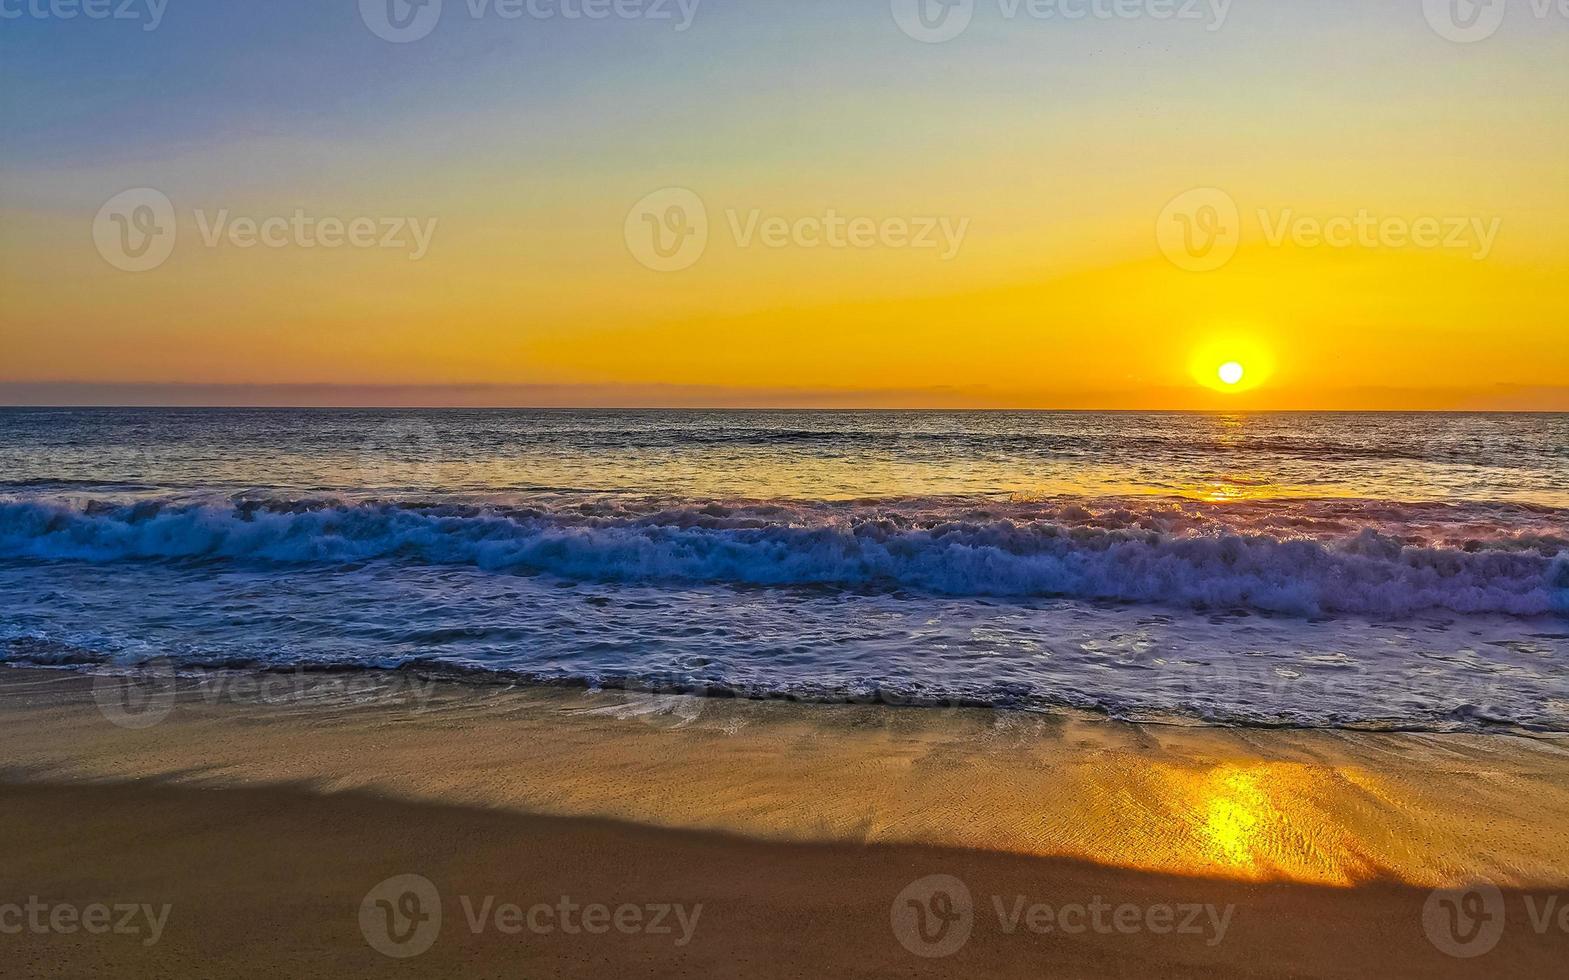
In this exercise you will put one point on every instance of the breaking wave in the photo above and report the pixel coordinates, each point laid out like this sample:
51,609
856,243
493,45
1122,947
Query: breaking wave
1309,558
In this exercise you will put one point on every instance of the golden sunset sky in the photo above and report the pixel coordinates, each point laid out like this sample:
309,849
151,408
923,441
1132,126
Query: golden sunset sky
1057,145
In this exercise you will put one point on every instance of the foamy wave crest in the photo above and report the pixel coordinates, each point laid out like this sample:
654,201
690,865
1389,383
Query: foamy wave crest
1121,551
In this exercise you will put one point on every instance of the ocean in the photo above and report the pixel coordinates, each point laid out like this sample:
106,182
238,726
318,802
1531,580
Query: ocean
1369,571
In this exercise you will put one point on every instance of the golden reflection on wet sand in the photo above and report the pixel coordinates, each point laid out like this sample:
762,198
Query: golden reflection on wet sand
1320,807
1259,820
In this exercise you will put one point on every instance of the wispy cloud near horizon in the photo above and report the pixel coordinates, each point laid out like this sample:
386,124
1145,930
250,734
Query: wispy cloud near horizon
1498,398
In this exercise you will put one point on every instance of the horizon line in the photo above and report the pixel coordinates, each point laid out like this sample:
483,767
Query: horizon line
1495,399
7,406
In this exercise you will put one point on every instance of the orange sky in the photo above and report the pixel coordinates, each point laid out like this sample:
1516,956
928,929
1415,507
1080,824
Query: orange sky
1055,171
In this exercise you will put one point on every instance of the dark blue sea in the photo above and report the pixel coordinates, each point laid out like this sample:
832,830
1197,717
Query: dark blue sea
1339,570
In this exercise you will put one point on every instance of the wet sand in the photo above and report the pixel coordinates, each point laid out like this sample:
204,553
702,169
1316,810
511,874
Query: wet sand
264,812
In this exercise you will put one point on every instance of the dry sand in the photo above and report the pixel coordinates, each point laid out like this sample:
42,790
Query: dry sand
263,812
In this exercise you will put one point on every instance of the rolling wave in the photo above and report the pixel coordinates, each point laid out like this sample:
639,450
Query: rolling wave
1309,558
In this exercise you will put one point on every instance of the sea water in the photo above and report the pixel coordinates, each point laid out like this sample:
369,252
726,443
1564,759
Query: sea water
1404,571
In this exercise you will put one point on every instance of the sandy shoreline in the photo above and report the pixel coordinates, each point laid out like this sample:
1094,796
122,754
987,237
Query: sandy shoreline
267,814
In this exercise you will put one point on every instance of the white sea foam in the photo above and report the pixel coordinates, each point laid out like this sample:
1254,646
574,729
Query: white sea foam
1306,557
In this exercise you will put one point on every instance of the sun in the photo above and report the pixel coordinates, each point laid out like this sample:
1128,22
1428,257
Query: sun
1232,361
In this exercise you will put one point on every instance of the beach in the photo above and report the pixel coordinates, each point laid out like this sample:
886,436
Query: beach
628,489
267,809
782,694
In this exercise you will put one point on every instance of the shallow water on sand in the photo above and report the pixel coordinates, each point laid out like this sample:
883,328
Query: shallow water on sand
1333,808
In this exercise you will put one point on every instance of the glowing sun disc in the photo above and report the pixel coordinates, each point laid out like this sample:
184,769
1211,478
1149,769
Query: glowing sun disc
1232,373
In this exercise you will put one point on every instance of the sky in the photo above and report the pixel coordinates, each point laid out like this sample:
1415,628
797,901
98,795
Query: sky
1028,204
